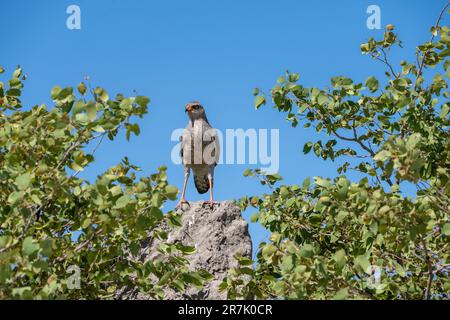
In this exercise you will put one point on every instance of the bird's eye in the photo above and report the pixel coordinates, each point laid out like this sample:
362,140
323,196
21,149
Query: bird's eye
195,107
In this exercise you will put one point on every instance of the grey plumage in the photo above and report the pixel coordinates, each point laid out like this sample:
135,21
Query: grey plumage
199,147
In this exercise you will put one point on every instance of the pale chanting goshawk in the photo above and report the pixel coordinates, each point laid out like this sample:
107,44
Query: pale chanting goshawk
199,151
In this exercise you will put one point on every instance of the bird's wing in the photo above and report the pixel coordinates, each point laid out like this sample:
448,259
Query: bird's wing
216,142
211,145
185,139
181,147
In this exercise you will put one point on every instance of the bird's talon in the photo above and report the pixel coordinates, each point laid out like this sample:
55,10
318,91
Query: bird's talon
210,203
180,204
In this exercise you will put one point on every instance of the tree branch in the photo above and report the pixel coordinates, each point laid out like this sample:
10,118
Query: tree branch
422,63
385,61
426,294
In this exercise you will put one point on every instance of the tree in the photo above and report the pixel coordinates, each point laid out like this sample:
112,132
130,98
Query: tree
335,238
61,236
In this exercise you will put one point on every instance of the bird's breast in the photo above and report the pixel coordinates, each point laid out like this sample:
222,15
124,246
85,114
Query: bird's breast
195,140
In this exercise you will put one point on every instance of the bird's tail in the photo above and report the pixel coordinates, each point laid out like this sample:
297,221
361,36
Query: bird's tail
201,183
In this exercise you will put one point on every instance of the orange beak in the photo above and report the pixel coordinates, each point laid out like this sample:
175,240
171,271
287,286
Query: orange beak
189,108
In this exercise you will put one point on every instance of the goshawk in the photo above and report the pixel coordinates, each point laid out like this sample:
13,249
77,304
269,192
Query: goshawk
199,151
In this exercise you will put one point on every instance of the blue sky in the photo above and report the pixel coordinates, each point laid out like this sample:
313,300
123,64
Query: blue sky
212,51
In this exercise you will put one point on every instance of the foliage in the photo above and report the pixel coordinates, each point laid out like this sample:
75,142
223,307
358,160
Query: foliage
53,223
334,238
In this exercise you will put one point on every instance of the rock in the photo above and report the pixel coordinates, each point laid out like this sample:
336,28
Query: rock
218,233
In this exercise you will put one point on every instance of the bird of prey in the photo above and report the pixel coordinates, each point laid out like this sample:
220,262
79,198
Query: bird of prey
199,151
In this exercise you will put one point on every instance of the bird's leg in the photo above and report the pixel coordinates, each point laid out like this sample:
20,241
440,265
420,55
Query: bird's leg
211,194
183,200
211,197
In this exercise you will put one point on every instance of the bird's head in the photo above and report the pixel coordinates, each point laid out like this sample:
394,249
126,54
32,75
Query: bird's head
195,110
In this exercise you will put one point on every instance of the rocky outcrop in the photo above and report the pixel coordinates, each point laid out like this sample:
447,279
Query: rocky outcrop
218,232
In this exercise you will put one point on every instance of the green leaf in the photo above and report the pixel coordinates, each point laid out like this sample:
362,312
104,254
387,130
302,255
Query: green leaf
5,241
81,88
340,258
193,278
132,128
322,99
165,278
143,223
268,250
342,192
444,111
307,251
274,177
447,65
23,181
175,219
341,294
101,94
64,93
86,223
15,197
46,247
22,293
446,229
254,217
55,92
372,83
17,73
259,101
444,53
341,82
401,83
306,183
205,275
122,201
390,27
293,77
363,262
179,285
29,246
78,107
187,250
307,147
142,101
98,128
171,192
223,285
82,118
399,269
13,92
244,261
104,218
91,111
